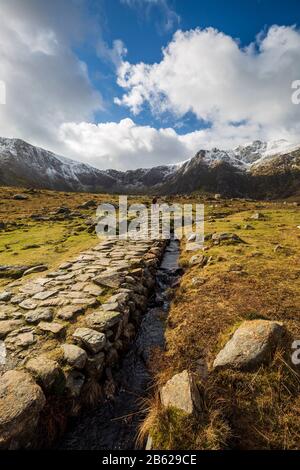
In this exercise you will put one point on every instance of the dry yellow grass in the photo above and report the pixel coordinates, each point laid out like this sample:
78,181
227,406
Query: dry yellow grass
258,410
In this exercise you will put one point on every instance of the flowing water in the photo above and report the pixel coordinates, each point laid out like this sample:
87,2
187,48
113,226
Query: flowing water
115,423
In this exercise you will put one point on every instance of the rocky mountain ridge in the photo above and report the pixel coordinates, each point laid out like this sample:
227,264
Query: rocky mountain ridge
258,169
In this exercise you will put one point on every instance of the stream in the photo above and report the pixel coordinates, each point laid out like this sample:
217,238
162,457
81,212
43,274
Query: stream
114,424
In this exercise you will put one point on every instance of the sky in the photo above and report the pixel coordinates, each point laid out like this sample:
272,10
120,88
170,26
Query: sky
137,83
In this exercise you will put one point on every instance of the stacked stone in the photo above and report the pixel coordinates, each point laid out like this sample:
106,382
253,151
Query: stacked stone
70,327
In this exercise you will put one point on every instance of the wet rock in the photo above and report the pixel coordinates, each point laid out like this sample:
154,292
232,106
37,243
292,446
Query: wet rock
252,345
74,355
92,339
181,392
46,371
21,401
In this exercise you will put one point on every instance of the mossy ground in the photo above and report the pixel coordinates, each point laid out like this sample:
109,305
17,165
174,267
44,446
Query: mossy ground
25,241
249,280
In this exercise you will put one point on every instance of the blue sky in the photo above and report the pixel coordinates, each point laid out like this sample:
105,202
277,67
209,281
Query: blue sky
89,79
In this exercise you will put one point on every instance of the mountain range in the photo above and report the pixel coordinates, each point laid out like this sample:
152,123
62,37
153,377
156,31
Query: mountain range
257,170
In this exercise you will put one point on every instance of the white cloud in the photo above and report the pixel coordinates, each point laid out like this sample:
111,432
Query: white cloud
208,73
46,84
126,145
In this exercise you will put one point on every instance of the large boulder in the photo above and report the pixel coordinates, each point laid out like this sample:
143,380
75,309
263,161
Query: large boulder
252,345
21,401
181,392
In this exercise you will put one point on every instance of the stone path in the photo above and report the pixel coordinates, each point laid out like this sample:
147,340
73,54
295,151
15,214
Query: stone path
70,326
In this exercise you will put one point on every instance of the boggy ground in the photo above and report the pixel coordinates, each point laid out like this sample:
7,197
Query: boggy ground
258,278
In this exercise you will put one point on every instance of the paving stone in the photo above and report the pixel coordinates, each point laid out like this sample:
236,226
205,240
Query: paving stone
45,294
28,304
102,321
70,312
92,339
54,328
40,314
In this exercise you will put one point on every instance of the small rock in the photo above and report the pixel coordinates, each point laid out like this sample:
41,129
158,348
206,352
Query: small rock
198,260
21,401
258,216
252,344
181,392
28,304
20,197
74,355
92,339
36,269
5,296
103,320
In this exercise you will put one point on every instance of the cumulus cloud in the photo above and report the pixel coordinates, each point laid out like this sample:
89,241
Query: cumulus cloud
208,73
46,84
126,145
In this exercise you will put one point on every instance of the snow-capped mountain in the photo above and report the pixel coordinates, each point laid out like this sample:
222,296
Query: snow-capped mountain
257,169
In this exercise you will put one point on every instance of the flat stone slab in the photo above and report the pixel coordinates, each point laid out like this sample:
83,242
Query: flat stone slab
93,340
21,401
54,328
103,320
252,345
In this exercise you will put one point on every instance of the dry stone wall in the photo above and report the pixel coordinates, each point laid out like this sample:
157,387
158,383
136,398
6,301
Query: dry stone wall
63,334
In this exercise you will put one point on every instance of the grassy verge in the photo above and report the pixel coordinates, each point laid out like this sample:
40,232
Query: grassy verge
254,279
